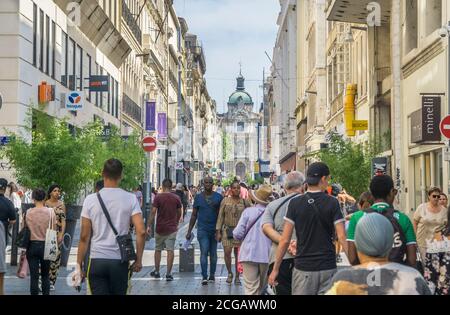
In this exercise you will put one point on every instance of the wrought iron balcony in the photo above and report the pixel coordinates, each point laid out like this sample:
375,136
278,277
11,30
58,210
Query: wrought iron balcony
131,22
131,109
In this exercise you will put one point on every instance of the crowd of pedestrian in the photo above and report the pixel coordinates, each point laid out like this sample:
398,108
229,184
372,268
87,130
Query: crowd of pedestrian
285,241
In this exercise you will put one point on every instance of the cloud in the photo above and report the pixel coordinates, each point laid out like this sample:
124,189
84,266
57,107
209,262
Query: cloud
232,31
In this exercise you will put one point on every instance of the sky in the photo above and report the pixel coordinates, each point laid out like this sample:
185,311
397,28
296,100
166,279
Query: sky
233,32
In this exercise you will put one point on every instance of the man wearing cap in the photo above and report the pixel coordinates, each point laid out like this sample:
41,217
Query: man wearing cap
374,237
7,217
315,217
273,224
255,247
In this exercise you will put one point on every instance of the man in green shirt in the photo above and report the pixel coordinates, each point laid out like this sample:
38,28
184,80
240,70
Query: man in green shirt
383,192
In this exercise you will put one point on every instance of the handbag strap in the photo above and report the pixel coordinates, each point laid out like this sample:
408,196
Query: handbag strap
105,211
50,222
282,204
312,203
253,223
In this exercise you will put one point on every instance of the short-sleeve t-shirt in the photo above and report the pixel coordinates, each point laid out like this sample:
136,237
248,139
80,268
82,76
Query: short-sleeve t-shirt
315,231
403,220
167,215
278,221
207,211
388,279
121,206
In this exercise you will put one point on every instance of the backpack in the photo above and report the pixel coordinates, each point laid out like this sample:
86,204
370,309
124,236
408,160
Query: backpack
398,251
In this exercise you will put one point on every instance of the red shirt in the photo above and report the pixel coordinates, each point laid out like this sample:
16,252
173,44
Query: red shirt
168,214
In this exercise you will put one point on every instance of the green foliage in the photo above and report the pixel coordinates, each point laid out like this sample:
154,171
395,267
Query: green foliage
227,181
226,146
130,153
257,181
72,159
350,163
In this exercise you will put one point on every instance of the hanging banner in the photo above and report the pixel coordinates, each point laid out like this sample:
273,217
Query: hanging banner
162,126
150,116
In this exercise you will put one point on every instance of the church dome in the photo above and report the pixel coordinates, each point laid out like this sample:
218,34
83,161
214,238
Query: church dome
237,96
240,95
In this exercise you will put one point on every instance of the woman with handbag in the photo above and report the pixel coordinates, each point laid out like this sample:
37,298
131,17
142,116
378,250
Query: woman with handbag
54,202
429,218
230,212
255,248
39,219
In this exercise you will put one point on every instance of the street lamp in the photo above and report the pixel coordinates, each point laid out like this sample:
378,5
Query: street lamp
348,37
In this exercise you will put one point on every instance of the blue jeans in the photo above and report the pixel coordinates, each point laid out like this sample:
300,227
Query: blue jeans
208,247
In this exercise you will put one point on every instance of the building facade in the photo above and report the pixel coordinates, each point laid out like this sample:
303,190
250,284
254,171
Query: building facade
240,131
41,43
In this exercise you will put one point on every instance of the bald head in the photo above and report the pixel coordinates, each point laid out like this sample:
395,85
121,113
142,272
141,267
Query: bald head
294,182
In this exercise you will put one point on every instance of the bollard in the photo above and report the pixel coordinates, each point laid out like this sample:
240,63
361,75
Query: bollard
187,259
73,214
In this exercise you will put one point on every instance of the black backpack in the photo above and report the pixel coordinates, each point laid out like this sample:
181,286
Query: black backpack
398,252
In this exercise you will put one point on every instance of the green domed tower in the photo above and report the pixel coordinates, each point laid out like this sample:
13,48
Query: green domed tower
240,96
239,125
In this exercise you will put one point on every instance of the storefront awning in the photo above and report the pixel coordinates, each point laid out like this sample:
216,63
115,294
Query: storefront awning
355,11
98,27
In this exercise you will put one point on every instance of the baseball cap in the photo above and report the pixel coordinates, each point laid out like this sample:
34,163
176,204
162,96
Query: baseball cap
336,189
374,235
3,183
179,186
315,172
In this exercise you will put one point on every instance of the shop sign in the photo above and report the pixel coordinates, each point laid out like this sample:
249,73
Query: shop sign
425,122
75,100
99,83
46,93
379,166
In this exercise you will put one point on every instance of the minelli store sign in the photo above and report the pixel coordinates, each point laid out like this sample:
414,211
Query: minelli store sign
425,122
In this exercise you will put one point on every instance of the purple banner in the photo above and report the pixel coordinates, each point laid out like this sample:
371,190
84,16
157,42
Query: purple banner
150,116
162,126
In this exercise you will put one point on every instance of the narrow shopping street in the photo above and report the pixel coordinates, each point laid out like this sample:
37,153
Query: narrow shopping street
145,144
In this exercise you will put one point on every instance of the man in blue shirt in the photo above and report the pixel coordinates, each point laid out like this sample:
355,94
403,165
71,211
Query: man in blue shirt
205,211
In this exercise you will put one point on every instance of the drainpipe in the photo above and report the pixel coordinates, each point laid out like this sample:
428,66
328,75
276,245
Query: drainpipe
396,95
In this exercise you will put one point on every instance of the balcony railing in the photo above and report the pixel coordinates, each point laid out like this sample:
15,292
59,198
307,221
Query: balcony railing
131,109
131,22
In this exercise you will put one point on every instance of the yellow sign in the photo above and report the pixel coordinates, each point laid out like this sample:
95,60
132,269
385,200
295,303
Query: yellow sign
360,125
256,167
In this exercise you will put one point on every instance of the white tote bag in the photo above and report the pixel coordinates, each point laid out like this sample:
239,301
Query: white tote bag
51,240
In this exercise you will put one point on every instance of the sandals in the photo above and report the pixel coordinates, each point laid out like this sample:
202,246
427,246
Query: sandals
230,278
237,281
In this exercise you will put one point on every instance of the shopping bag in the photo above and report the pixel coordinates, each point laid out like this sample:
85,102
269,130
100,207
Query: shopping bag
240,268
51,241
22,272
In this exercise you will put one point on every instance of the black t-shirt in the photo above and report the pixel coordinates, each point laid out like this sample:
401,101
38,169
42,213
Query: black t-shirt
315,249
7,211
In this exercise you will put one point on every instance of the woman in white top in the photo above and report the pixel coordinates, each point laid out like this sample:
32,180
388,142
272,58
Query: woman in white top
16,200
429,218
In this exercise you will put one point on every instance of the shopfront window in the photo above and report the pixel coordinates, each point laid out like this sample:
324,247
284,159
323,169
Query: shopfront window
417,181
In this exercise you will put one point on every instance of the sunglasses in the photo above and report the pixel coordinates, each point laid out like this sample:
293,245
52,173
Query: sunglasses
435,196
